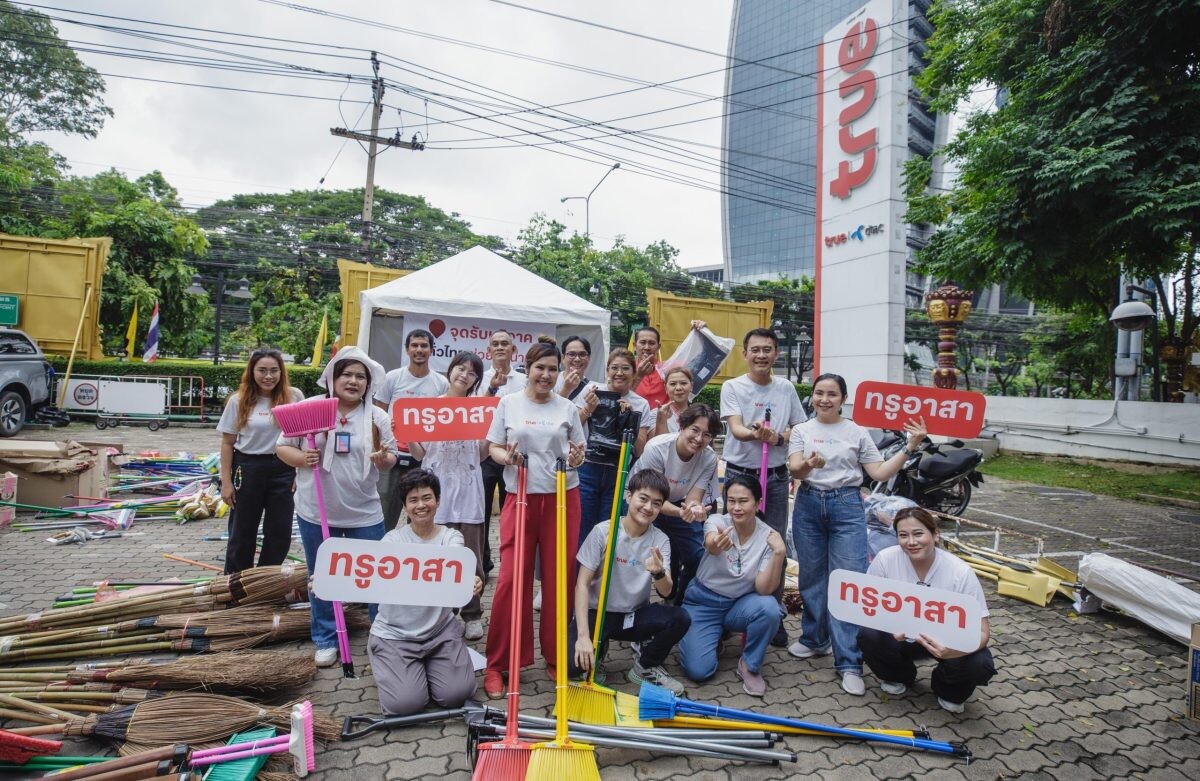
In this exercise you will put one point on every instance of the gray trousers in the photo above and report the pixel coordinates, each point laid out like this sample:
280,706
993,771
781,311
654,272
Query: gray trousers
409,675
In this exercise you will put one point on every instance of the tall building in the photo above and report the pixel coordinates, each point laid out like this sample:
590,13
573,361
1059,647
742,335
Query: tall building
770,133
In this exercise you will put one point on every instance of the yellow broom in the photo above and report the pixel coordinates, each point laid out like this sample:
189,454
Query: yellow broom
562,758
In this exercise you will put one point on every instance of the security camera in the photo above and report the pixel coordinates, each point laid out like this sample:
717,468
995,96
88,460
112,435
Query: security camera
1133,316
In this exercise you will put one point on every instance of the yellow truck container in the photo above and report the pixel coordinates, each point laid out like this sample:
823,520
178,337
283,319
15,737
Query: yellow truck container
355,278
673,316
56,281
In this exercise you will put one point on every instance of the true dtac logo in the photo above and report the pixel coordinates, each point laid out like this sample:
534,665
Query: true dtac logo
859,234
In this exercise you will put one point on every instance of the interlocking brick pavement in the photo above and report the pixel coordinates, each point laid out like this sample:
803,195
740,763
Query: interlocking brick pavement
1074,697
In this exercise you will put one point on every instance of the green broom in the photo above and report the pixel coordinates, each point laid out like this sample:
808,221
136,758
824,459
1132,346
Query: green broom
590,702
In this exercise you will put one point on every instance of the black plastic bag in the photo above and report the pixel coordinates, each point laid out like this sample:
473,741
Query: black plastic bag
605,427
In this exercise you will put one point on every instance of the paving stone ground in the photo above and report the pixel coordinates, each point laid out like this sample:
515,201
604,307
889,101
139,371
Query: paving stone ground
1097,696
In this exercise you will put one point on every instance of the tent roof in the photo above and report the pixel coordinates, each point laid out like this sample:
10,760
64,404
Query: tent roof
478,282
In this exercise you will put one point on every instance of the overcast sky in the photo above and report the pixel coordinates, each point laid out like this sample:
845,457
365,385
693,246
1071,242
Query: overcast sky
211,144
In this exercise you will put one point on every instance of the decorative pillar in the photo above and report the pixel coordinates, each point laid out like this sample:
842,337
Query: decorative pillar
948,307
1174,355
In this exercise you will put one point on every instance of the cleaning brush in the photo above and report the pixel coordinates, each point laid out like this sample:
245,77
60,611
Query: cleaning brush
21,748
298,743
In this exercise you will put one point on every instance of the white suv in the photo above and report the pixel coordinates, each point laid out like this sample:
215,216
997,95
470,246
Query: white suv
24,380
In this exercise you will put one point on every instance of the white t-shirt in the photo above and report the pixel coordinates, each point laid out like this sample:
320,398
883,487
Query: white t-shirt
844,445
351,500
948,572
661,456
400,384
259,434
456,465
629,588
636,403
414,623
732,573
745,397
515,382
541,432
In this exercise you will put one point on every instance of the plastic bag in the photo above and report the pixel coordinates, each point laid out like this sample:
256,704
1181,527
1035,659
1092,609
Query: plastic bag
702,352
605,427
881,512
1149,597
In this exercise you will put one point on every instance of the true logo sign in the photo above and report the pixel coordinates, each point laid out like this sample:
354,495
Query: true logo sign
442,419
349,570
947,413
893,606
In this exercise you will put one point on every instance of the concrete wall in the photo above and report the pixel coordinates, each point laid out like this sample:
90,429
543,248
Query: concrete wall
1126,430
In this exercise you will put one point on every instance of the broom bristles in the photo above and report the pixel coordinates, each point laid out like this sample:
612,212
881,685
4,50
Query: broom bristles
311,416
228,670
655,702
503,761
591,704
556,761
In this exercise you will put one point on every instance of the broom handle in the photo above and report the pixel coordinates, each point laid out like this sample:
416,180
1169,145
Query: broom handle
560,609
133,760
230,756
278,740
339,615
762,472
609,555
514,638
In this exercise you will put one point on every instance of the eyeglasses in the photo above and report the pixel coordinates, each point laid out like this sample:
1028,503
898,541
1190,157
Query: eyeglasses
704,435
266,372
923,583
574,356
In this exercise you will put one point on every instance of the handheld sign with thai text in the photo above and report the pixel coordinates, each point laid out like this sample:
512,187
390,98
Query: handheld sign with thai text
947,413
349,570
442,419
954,620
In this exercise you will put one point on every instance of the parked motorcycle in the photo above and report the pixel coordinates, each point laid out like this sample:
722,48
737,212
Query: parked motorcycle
937,476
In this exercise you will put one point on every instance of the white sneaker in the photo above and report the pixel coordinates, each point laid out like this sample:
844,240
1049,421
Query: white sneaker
655,675
474,630
326,657
537,601
802,651
852,683
953,707
893,687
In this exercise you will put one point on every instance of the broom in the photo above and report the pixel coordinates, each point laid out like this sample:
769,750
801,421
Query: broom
655,702
20,749
230,670
762,472
589,702
306,419
562,758
508,759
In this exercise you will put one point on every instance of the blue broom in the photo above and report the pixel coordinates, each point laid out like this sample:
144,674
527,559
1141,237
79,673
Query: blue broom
655,702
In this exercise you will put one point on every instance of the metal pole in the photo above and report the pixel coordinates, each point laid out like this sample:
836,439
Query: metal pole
220,301
1157,395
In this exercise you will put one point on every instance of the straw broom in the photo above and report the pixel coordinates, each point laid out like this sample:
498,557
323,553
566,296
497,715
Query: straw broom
231,670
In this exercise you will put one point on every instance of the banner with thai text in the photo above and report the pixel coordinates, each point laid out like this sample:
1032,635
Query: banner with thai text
349,570
947,413
442,419
453,335
893,606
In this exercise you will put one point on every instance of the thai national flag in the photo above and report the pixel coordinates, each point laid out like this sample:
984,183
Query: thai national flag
151,353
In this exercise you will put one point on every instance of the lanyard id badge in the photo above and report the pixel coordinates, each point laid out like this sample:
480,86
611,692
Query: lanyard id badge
341,442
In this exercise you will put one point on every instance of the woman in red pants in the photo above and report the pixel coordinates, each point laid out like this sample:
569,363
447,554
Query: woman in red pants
538,426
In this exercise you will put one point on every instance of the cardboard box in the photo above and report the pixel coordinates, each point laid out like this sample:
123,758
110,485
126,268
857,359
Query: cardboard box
8,493
1193,682
47,471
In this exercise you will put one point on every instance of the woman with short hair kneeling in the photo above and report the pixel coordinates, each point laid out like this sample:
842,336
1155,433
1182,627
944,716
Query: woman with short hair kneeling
418,653
918,559
734,588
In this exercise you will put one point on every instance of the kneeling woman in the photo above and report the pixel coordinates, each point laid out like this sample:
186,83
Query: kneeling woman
734,588
418,653
918,559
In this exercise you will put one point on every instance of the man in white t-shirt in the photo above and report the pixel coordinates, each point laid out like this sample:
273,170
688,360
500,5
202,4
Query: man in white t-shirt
414,380
500,379
745,401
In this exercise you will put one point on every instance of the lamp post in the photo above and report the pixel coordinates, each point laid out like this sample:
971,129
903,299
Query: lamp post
805,342
242,292
1134,315
587,201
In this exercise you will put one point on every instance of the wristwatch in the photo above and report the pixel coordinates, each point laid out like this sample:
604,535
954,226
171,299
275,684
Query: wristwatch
659,575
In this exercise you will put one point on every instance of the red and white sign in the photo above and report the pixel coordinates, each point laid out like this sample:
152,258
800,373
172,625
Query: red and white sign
442,419
453,335
954,620
947,413
349,570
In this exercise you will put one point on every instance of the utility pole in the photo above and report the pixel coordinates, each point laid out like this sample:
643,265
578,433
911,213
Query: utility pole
374,140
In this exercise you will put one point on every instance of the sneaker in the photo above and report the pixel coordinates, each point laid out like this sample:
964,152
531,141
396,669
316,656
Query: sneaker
474,630
326,657
780,640
655,675
802,651
636,647
752,683
953,707
894,688
852,683
493,684
537,601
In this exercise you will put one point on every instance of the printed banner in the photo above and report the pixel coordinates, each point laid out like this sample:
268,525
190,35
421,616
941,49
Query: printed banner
947,413
442,419
453,335
349,570
954,620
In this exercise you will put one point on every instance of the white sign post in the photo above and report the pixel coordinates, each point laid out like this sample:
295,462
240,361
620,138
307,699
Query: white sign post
893,606
349,570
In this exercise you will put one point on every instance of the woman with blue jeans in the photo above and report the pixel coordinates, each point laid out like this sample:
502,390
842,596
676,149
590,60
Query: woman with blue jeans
734,588
350,458
828,454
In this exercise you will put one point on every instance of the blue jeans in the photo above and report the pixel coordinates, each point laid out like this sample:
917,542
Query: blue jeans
687,546
829,529
323,629
776,515
596,485
755,614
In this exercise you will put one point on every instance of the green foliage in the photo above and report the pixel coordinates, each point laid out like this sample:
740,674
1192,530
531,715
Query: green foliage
1110,479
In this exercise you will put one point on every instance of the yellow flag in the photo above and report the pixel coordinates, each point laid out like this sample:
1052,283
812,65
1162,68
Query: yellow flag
131,334
319,347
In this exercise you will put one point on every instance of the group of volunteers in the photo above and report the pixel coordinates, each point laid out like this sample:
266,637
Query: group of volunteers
695,566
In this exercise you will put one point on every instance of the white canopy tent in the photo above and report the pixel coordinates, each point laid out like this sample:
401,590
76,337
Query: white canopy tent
477,283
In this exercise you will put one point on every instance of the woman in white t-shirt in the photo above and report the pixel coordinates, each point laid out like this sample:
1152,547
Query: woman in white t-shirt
457,466
254,482
919,559
828,455
678,383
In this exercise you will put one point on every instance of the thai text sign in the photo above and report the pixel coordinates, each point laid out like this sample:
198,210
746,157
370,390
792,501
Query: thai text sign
442,419
947,413
954,620
453,335
349,570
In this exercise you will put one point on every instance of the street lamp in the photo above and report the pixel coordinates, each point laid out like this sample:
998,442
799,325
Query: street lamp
805,342
587,201
242,292
1134,315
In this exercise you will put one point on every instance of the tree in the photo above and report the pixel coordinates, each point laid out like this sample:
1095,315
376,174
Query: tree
793,310
1088,166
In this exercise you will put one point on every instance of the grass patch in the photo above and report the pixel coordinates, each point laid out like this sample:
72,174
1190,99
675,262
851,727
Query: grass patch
1110,480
